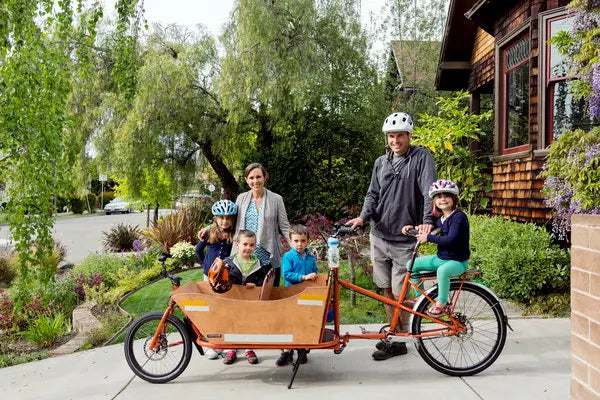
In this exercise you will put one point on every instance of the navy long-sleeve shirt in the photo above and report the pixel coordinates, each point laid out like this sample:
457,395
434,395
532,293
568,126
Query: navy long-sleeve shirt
453,244
219,249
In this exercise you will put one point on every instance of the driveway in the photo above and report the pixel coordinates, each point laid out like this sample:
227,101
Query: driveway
82,235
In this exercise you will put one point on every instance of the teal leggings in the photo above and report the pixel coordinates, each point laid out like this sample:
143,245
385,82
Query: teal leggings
445,270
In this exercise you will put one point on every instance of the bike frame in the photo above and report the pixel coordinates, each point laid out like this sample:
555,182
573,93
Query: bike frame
448,325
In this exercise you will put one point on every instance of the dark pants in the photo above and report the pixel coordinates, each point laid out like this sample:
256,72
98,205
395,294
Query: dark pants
277,272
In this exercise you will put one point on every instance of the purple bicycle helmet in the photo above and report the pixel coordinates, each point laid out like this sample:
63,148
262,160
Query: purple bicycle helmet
443,186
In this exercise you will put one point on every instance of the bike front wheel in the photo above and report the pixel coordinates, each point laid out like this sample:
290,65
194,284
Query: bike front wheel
169,359
469,352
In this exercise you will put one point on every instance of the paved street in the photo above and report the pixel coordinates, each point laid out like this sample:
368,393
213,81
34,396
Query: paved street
534,365
83,235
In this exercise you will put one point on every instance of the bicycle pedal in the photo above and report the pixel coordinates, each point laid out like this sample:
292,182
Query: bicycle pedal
340,350
366,332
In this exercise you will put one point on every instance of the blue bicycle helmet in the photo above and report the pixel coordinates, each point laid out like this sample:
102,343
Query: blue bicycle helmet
224,207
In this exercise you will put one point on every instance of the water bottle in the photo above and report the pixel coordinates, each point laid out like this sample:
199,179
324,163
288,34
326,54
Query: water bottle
333,253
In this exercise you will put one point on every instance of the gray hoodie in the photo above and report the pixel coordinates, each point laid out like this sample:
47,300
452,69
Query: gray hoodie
399,198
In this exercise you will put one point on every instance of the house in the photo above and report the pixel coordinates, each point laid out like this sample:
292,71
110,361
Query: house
500,48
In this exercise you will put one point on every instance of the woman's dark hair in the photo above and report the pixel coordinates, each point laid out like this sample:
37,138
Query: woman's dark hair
252,167
436,211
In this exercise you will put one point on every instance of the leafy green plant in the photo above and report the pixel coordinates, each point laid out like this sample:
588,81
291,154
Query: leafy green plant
572,173
120,237
8,360
110,324
183,254
47,329
518,261
8,267
106,264
76,204
449,135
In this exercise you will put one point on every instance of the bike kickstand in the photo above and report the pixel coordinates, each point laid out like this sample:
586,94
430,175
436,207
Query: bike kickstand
301,354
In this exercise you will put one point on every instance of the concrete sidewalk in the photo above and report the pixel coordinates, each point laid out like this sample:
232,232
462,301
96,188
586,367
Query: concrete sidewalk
534,365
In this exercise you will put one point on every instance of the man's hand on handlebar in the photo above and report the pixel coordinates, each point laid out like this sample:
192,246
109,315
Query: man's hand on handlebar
356,222
425,228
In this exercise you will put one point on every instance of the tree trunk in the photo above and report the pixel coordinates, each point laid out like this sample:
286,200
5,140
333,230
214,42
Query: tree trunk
230,186
156,213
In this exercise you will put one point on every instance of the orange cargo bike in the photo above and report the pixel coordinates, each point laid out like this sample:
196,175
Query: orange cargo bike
465,340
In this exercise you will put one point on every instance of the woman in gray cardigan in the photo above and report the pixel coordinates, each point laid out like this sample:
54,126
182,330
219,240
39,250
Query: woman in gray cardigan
263,212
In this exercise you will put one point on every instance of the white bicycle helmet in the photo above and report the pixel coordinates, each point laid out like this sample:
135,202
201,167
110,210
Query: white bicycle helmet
443,186
224,207
398,122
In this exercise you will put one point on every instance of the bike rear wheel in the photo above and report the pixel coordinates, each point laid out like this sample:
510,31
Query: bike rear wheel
470,352
171,357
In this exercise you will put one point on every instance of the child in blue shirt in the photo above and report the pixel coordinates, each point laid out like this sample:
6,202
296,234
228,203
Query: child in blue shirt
297,265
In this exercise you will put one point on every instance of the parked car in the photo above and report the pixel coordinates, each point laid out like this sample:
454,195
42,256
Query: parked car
118,205
189,199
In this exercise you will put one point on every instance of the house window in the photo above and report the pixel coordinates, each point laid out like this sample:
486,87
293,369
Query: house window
564,112
516,95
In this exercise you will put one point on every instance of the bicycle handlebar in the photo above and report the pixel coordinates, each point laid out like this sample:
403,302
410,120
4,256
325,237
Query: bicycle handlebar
176,280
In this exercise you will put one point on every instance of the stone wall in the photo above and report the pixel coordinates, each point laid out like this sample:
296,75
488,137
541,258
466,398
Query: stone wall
585,307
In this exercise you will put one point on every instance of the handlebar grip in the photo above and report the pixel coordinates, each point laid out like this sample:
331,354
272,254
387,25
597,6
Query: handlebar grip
345,230
163,257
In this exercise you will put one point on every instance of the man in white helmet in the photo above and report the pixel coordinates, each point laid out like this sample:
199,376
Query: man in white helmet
397,196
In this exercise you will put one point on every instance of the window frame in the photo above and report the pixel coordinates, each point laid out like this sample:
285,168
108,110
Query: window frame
546,97
503,47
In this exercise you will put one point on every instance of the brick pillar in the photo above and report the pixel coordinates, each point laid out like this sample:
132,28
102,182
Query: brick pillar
585,307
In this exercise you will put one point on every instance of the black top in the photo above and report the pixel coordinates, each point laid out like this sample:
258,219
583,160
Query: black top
454,242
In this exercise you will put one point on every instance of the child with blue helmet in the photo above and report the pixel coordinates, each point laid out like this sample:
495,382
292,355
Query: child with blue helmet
218,242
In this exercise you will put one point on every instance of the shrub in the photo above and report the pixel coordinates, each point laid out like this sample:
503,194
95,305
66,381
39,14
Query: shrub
183,253
120,237
108,265
75,204
8,318
179,227
106,197
8,268
518,261
46,329
449,135
572,173
92,201
110,325
61,204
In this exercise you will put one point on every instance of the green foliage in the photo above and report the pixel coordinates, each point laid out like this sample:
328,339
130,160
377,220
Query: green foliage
10,359
92,202
518,261
45,330
449,135
296,83
572,173
8,267
178,227
75,204
183,253
156,296
554,305
120,237
107,197
106,264
110,324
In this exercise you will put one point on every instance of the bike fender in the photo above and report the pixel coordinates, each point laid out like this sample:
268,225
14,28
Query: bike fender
470,283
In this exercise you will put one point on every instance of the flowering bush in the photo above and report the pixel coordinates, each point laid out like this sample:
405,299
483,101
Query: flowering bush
183,253
572,173
84,282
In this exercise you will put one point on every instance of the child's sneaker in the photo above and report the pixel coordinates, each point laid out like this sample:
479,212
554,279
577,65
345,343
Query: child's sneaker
230,357
302,359
284,359
212,354
251,357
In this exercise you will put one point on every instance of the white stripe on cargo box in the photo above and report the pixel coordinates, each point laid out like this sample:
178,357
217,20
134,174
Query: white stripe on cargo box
257,338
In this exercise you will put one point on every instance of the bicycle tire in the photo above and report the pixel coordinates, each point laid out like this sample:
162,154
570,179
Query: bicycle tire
467,353
145,363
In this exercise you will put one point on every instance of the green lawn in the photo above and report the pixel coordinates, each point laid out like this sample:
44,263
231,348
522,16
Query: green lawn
155,297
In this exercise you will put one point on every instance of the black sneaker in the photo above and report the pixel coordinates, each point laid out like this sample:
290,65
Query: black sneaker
382,345
284,359
389,351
